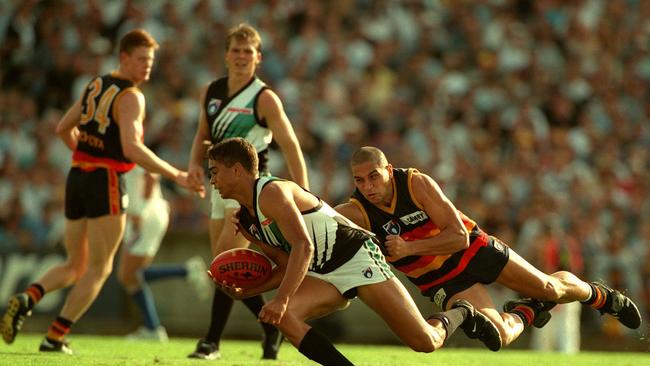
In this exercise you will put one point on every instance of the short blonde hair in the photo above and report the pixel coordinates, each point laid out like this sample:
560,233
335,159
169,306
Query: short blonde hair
244,32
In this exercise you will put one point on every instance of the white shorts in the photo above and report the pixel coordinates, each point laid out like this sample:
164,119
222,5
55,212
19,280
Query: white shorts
219,204
368,266
153,225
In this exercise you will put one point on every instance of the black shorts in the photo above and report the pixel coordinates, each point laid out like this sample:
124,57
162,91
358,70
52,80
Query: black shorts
94,193
485,267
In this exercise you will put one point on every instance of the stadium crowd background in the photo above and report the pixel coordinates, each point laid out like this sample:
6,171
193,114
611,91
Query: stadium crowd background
532,115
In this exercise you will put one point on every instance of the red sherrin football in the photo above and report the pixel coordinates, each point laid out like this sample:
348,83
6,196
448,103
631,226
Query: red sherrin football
245,268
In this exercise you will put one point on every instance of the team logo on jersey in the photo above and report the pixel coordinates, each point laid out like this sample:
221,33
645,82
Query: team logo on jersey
392,227
367,273
213,106
414,218
439,297
253,230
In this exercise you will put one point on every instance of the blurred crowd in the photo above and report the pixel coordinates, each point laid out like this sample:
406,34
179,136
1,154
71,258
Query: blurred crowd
533,115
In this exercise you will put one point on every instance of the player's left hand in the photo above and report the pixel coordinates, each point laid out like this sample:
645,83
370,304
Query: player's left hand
274,310
231,290
396,247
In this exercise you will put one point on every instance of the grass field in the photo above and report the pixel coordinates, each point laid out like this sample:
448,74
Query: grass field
109,351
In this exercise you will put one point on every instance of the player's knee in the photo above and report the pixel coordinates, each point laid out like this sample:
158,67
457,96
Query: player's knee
426,342
424,345
100,271
288,327
74,270
127,279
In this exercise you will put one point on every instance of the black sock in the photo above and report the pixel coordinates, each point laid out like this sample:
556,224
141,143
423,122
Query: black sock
221,306
317,348
451,319
255,304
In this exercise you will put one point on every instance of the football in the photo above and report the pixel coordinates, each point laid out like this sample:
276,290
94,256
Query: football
245,268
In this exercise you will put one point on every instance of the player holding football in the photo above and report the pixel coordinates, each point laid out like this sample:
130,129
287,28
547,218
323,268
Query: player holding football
449,257
323,260
240,105
104,130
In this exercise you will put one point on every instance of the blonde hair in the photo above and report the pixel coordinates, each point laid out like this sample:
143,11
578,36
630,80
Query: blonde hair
244,32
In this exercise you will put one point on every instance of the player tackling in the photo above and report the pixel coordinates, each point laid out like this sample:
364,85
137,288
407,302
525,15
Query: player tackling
323,260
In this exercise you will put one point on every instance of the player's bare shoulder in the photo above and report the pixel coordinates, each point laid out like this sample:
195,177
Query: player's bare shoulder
424,188
420,180
130,105
269,104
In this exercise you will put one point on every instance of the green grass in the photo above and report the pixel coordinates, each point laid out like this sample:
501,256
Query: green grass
96,350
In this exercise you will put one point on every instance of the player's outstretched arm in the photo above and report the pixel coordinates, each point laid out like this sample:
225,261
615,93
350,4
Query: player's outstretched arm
130,112
200,145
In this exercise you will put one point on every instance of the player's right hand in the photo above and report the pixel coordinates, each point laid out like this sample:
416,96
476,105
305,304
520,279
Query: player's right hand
182,179
196,174
273,311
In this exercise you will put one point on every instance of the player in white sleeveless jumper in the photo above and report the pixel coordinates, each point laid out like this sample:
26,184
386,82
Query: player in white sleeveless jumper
240,105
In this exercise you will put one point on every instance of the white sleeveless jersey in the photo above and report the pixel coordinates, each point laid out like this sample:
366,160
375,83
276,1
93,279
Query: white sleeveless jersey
236,117
335,238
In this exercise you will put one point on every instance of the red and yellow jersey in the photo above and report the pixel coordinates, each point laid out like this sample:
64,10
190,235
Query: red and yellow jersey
406,218
99,144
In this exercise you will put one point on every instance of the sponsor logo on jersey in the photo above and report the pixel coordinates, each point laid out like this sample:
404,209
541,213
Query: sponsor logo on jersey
267,222
439,297
213,106
92,141
414,218
367,273
241,110
253,230
392,227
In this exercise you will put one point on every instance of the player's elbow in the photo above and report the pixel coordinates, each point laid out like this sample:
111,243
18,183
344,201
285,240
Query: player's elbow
307,249
60,131
130,151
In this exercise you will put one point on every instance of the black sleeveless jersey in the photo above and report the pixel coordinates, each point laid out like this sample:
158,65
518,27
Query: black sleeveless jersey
408,220
99,143
237,116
